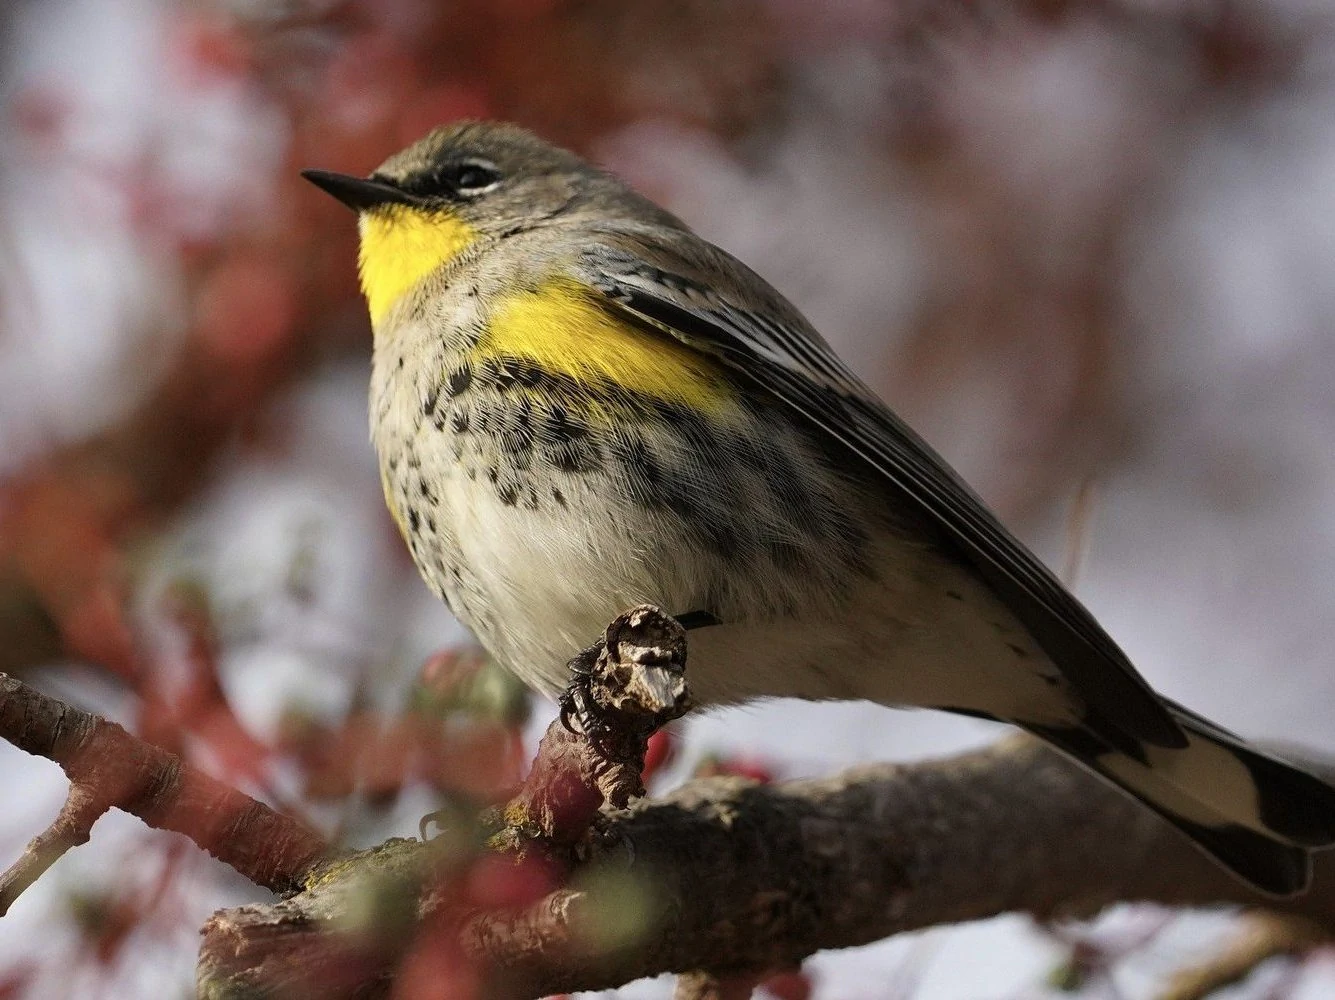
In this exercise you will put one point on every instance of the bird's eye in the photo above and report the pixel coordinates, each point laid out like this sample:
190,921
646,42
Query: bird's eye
471,177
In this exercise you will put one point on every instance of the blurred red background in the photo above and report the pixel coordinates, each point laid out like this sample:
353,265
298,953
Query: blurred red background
1084,246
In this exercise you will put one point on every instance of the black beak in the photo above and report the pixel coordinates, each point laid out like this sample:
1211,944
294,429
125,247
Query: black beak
357,193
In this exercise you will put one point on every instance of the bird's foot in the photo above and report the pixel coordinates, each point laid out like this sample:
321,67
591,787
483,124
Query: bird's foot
579,712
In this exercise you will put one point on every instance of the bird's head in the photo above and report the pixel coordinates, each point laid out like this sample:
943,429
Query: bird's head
459,184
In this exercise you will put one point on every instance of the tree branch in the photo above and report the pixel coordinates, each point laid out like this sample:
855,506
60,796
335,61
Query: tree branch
108,767
730,876
1261,937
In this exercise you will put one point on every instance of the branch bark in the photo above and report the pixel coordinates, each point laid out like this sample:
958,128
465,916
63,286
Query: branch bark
730,876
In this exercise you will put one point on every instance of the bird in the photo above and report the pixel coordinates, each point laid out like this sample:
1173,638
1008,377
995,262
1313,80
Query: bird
579,405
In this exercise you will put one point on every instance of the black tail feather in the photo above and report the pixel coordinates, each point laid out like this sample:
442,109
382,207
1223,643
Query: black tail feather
1295,805
1271,866
1255,814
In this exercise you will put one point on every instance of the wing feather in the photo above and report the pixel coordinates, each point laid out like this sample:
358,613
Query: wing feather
742,321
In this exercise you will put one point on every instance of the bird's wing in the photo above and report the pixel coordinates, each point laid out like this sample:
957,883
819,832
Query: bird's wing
704,298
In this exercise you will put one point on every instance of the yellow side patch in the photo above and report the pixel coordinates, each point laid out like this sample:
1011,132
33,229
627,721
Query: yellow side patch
562,328
401,246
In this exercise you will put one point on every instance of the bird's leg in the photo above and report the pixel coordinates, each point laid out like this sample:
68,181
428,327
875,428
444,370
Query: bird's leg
576,701
621,691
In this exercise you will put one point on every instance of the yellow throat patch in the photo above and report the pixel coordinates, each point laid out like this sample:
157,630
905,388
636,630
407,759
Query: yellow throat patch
400,246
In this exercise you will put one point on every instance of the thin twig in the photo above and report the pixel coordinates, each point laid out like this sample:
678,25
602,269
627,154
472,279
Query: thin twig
1263,936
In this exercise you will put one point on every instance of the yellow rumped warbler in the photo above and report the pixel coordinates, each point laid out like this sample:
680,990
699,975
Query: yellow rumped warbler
579,406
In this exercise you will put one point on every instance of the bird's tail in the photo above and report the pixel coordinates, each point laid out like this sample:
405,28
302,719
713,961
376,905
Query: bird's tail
1256,815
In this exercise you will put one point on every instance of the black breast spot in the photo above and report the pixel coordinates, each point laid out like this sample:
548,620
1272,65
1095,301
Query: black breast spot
565,440
507,372
643,470
459,379
517,433
429,402
556,426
